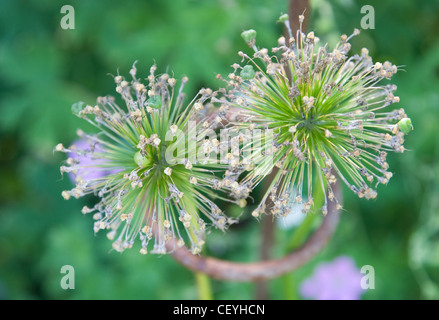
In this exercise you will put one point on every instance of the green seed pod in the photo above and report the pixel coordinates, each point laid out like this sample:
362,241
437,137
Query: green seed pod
405,125
249,35
283,18
155,102
140,160
247,72
77,107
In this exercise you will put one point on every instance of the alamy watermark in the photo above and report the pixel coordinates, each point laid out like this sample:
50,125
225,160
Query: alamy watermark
67,281
368,280
68,20
368,20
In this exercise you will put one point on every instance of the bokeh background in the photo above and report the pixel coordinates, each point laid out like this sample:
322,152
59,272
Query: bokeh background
45,69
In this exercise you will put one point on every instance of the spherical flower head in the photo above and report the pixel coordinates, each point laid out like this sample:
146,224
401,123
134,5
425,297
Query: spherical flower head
157,187
336,280
318,116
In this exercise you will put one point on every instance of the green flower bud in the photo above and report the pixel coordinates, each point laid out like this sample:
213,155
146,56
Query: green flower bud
140,160
283,18
249,35
77,107
155,102
405,125
247,72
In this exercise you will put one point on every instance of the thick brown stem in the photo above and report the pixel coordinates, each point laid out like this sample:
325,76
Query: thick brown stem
245,272
296,8
262,290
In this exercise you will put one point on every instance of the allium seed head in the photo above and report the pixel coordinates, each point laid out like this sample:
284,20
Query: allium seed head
329,118
147,192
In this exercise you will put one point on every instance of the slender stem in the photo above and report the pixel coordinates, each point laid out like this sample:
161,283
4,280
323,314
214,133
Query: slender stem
290,286
299,236
204,286
262,270
288,281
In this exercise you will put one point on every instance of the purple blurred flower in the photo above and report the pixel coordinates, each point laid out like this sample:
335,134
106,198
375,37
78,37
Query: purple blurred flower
336,280
89,169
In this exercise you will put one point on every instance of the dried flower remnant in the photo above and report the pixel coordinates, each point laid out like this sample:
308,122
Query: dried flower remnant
328,113
150,193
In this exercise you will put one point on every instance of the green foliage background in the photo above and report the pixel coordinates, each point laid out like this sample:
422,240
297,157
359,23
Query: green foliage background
45,69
